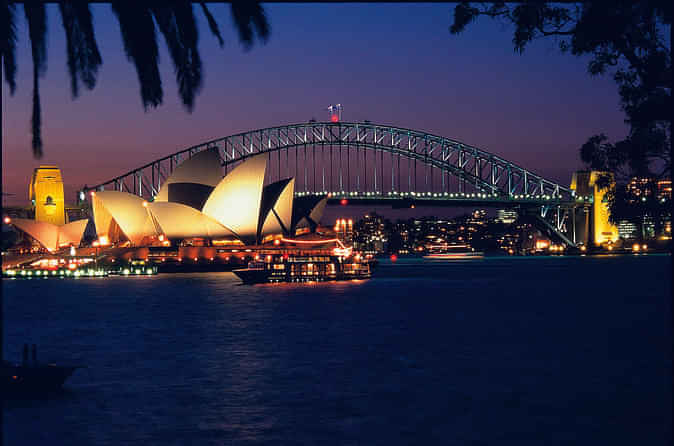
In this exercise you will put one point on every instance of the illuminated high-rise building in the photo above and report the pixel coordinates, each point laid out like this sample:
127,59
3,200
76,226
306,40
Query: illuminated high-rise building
640,188
371,235
628,230
344,231
506,215
664,188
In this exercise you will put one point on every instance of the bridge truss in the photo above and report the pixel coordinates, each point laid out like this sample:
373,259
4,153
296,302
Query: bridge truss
371,163
361,160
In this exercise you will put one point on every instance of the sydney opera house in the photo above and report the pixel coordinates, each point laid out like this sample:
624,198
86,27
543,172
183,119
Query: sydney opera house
199,219
50,228
196,204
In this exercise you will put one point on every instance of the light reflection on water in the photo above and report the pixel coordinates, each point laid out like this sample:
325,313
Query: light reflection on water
489,351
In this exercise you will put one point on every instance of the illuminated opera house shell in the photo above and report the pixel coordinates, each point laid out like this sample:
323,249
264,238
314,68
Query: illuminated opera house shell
49,227
52,236
197,202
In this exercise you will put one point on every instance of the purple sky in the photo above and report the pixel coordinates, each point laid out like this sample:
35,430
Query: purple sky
391,64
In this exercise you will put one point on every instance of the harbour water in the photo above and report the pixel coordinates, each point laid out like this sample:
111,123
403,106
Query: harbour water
524,351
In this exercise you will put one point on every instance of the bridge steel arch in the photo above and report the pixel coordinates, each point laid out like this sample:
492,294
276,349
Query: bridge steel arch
364,161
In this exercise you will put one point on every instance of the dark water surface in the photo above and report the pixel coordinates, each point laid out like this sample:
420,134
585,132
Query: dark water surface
521,351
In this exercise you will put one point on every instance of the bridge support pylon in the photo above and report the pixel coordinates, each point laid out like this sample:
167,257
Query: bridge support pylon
591,220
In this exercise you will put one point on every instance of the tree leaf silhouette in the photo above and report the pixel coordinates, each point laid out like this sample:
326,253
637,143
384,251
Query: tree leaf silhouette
8,44
140,45
212,24
36,16
177,23
83,55
246,16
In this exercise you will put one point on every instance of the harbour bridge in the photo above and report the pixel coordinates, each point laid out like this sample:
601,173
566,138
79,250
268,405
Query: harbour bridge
360,163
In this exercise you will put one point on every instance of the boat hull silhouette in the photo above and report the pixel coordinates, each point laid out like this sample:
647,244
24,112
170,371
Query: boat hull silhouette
33,379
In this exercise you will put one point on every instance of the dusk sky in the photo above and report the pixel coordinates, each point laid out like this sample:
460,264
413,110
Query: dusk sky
391,64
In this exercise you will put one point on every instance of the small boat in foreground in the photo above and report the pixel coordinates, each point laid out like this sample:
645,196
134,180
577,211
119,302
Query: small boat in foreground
33,378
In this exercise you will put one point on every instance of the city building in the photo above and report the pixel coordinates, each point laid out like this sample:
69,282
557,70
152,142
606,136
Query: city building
400,238
506,216
628,230
371,234
643,187
657,225
667,233
422,235
197,206
478,216
640,188
664,188
344,231
638,185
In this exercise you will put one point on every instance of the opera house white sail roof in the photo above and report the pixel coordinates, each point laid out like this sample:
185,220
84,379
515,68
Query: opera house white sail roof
277,206
192,204
52,236
196,176
235,201
176,220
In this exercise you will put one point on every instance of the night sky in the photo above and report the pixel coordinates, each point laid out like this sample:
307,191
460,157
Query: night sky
391,64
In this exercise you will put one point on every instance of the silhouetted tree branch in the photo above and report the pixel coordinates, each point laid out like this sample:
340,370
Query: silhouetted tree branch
212,24
8,43
175,20
36,16
84,58
177,23
624,35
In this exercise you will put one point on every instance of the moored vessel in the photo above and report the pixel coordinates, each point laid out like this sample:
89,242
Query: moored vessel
33,378
453,252
304,268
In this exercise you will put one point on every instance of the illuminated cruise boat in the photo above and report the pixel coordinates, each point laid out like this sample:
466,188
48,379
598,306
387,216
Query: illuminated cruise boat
452,252
307,264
